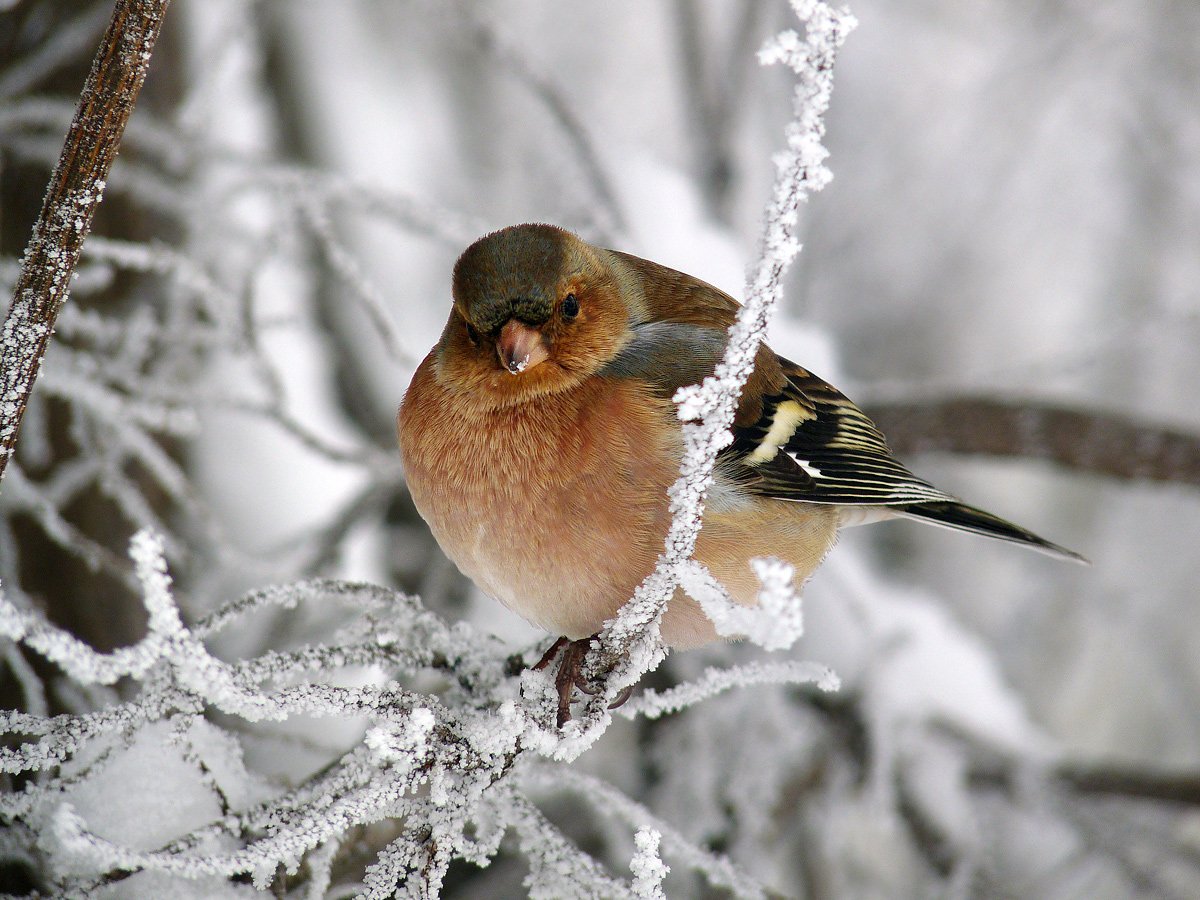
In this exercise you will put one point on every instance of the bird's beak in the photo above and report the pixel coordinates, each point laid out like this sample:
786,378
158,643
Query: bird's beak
520,347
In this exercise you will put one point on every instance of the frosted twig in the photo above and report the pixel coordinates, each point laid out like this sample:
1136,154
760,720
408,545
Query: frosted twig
630,644
553,861
76,658
717,869
647,868
293,185
775,623
26,496
652,704
33,692
373,303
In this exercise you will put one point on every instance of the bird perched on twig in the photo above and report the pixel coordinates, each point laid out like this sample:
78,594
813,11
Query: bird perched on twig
539,440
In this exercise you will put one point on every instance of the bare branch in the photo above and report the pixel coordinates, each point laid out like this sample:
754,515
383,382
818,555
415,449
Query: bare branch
1097,779
75,191
1099,443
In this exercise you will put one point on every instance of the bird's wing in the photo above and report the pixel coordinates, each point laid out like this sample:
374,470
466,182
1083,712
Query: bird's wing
795,436
812,444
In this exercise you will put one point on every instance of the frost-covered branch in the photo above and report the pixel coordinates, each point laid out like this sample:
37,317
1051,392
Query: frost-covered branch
707,410
652,703
450,767
76,189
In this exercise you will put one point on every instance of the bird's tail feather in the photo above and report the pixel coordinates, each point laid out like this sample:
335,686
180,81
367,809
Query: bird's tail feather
950,514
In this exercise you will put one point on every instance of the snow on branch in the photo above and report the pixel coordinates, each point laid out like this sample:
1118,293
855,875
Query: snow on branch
648,869
716,868
442,764
775,623
652,704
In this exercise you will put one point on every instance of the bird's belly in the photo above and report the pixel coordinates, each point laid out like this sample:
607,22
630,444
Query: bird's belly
798,533
557,514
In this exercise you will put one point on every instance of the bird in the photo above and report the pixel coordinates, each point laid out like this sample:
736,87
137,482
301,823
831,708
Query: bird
539,438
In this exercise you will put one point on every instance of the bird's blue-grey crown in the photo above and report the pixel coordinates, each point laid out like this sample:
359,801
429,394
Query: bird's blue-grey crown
510,273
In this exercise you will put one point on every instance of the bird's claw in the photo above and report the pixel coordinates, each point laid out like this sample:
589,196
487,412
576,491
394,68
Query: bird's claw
570,675
621,697
549,655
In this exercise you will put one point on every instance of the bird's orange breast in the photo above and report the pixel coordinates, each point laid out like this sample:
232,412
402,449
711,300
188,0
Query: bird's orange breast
556,507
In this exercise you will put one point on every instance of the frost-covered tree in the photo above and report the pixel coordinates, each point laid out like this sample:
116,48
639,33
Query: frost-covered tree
234,660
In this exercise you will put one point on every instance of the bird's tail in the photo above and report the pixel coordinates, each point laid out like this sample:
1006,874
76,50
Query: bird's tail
951,514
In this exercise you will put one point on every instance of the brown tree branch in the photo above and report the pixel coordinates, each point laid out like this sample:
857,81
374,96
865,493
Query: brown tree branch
1094,442
75,190
990,768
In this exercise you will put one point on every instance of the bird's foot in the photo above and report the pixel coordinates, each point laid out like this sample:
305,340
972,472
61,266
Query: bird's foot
619,700
570,674
549,655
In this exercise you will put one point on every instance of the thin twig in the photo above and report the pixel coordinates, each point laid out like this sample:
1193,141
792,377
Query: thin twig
76,188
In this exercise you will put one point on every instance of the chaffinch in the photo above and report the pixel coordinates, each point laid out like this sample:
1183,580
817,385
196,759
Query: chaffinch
539,440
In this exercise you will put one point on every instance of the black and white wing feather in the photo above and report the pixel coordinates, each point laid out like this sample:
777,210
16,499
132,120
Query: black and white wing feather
813,445
809,443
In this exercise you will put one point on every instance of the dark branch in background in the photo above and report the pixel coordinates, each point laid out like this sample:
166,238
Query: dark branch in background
76,188
712,91
1094,442
508,55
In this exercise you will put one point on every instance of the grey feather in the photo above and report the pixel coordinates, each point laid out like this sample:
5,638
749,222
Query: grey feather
668,355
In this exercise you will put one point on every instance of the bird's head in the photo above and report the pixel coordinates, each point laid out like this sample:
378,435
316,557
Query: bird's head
536,310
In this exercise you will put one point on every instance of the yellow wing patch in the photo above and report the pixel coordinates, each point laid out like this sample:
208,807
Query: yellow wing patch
788,416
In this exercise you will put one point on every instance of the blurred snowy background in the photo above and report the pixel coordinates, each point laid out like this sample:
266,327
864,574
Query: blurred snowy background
1015,215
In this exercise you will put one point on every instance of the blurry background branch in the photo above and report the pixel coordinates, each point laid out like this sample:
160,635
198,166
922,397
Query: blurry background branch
608,219
75,192
1098,443
713,85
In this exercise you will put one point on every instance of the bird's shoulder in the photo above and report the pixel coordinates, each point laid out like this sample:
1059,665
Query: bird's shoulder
679,326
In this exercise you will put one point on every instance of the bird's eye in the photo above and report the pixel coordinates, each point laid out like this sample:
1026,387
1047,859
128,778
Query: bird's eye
570,306
472,334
